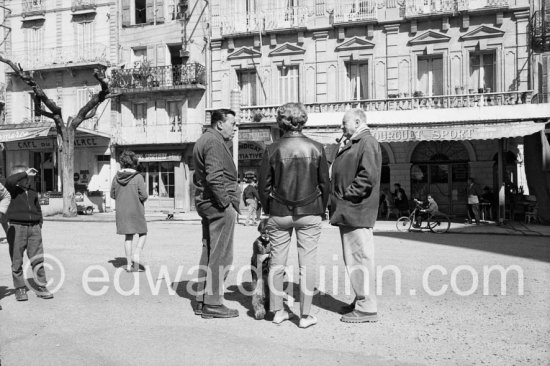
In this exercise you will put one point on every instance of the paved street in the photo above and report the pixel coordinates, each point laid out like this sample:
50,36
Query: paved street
415,328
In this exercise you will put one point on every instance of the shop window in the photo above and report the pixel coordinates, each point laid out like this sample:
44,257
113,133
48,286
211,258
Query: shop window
160,179
289,84
175,115
430,75
482,71
247,80
357,80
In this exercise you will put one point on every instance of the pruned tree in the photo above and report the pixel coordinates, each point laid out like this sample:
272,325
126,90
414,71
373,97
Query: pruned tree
65,130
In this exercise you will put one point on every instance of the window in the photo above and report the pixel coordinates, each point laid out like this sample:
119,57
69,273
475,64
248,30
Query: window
84,41
139,55
82,97
35,46
248,85
430,75
140,114
482,71
289,90
357,80
160,179
140,11
34,107
175,115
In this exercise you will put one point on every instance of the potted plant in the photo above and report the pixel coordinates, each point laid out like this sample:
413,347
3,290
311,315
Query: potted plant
418,94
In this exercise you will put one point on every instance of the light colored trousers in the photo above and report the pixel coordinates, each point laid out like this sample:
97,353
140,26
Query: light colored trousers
252,206
308,232
358,248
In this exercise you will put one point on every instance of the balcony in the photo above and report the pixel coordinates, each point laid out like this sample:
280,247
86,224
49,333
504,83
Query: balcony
268,113
158,134
237,23
83,6
355,11
159,78
63,57
33,9
475,5
540,31
285,18
420,8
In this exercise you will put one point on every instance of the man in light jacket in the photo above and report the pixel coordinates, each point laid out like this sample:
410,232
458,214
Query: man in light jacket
354,207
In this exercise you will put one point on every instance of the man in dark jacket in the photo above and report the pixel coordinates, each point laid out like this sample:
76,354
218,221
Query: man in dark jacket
217,199
294,189
354,205
25,232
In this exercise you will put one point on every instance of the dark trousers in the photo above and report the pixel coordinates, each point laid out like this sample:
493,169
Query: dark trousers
473,210
216,256
29,238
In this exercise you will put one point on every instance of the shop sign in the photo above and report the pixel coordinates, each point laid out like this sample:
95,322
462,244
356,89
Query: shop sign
89,142
49,144
157,157
23,133
251,151
255,134
423,134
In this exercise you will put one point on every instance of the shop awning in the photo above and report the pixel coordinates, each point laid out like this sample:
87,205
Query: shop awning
16,134
436,132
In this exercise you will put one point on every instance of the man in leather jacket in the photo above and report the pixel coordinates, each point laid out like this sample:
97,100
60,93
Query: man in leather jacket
294,189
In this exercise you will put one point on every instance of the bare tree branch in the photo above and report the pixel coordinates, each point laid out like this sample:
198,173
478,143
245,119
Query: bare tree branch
89,109
29,80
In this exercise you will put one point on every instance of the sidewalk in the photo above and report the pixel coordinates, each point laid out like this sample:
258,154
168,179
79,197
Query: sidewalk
487,228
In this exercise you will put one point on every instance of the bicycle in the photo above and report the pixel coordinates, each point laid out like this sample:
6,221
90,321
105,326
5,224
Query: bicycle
437,223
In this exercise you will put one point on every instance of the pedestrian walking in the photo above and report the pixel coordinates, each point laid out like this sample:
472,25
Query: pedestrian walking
354,203
294,188
129,192
25,232
472,194
251,199
5,199
401,200
217,198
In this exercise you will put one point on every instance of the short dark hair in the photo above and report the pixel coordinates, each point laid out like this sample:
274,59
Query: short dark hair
219,115
128,159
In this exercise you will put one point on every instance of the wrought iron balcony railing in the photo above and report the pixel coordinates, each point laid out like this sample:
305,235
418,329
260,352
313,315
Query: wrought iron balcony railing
238,23
269,113
429,7
464,5
284,18
62,56
33,7
172,76
355,11
540,31
78,5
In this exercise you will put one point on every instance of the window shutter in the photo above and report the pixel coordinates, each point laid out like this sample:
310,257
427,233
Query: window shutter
125,13
150,12
152,54
160,11
161,55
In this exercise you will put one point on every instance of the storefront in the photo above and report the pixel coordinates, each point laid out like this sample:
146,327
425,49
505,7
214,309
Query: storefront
37,147
168,174
252,144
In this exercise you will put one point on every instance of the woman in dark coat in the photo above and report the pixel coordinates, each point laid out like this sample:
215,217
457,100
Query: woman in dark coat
129,192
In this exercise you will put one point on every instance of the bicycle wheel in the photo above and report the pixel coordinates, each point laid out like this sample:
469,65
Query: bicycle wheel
403,224
439,224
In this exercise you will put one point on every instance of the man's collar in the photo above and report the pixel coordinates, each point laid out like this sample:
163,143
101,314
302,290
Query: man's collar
215,133
293,134
360,130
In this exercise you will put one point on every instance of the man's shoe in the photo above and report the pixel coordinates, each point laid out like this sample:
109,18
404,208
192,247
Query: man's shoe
307,321
43,293
21,294
197,309
347,308
357,316
218,311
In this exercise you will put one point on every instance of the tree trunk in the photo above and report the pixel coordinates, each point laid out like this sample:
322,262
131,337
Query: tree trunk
67,164
537,179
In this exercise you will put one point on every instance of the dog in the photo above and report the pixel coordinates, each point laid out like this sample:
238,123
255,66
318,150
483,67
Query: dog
259,263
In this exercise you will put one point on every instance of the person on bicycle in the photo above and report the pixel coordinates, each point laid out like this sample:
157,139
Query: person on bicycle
428,208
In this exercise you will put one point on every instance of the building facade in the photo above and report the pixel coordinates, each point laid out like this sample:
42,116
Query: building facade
445,83
61,42
161,82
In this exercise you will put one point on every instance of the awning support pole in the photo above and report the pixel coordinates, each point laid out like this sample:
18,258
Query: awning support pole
501,185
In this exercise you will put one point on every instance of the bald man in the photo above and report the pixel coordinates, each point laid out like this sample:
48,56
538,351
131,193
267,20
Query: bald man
354,207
